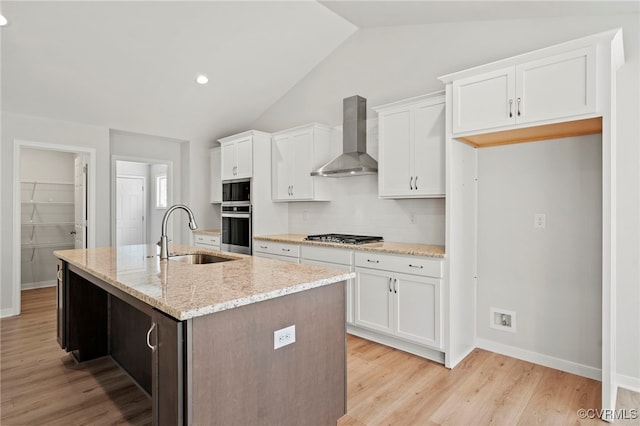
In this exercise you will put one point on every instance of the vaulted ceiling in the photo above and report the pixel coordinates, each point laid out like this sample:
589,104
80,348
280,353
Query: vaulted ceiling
132,65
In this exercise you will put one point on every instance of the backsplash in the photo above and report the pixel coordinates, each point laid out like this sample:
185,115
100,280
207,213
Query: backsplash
356,209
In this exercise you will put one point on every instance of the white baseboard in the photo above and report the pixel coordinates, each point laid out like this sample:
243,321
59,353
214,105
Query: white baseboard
8,312
41,284
538,358
628,382
451,362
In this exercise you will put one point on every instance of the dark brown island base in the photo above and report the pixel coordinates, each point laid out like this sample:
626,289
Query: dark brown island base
199,338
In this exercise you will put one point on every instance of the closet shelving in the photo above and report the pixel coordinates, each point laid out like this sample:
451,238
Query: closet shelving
47,222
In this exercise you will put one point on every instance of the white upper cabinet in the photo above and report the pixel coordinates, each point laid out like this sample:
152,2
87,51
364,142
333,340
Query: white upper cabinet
295,153
548,89
216,184
237,156
411,147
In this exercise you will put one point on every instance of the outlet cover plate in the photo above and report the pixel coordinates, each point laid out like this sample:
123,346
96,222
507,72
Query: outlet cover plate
284,336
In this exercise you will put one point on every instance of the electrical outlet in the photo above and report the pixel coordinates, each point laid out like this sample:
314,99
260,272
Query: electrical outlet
540,220
502,319
412,218
284,336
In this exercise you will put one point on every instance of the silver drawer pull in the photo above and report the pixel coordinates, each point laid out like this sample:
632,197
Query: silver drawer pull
153,348
59,274
264,247
373,261
416,266
286,249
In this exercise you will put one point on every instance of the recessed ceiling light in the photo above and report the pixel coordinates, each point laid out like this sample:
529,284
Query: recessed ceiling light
3,21
202,79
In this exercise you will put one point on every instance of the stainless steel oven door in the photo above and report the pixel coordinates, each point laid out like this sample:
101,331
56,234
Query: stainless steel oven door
236,229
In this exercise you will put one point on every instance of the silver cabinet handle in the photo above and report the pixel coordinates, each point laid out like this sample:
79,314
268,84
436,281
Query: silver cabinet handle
286,249
264,247
389,284
59,275
415,182
519,100
411,183
373,261
395,285
416,266
153,348
510,108
292,190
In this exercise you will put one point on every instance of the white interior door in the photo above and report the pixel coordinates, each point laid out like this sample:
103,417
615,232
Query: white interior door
80,201
130,210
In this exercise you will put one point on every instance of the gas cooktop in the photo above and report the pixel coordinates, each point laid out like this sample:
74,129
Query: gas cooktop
344,238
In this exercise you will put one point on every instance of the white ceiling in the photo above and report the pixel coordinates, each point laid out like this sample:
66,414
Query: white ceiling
132,65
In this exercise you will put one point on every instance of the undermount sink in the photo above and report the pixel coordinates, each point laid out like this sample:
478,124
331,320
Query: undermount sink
199,258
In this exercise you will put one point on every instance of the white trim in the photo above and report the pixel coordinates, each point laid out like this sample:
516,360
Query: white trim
40,284
628,382
18,144
541,359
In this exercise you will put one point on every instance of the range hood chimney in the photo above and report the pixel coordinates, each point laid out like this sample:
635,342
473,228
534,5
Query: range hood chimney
354,160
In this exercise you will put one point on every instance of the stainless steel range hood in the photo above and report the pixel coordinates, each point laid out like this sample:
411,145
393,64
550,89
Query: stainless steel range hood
354,160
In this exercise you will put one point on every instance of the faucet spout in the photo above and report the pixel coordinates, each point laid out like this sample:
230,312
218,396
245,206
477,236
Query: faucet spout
164,241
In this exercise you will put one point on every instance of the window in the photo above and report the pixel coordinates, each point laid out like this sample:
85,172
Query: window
161,192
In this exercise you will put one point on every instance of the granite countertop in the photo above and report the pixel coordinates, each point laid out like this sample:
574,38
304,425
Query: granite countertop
411,249
207,231
186,291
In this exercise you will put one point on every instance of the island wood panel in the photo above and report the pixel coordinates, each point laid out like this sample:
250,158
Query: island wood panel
87,318
128,341
239,379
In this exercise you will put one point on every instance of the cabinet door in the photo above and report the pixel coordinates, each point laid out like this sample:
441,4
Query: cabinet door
228,161
168,371
556,87
373,307
417,309
244,162
301,165
429,135
484,101
61,305
215,182
395,175
280,168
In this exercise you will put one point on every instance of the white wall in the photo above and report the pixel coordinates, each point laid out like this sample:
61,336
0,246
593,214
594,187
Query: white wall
34,129
392,63
551,278
44,165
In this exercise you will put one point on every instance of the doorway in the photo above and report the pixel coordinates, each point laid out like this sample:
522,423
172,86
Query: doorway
141,191
54,199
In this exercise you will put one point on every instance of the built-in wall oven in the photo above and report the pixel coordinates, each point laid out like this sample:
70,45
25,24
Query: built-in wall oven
236,216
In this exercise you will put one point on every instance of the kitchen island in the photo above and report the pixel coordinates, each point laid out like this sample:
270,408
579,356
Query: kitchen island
199,339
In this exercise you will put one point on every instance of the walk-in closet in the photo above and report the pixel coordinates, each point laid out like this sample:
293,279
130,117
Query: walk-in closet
52,211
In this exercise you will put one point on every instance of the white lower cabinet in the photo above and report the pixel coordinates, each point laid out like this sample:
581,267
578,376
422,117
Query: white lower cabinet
207,241
278,251
332,258
391,301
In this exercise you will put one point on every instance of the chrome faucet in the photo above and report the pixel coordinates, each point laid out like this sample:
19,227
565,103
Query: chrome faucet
164,242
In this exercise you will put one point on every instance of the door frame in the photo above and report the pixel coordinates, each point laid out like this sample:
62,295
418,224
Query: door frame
145,191
147,160
18,144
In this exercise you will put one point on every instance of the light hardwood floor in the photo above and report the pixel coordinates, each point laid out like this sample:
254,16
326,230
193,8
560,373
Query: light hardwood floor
41,385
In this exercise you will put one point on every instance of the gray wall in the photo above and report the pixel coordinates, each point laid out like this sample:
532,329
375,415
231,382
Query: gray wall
393,63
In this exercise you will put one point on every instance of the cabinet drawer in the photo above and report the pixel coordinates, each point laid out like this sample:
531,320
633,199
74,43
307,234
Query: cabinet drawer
282,249
414,265
326,254
207,240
